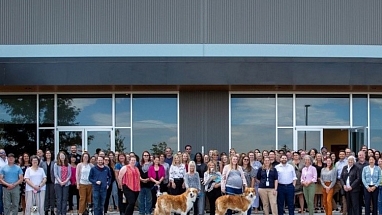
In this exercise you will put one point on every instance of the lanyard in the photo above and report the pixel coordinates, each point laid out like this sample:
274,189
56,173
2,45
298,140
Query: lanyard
267,172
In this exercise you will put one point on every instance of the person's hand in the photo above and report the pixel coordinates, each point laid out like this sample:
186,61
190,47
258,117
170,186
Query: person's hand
223,190
183,186
98,182
107,187
350,188
62,183
78,186
274,192
173,186
327,189
11,186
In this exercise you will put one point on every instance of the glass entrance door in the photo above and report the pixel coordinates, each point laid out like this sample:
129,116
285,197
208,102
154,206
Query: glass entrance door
308,138
98,139
357,138
86,139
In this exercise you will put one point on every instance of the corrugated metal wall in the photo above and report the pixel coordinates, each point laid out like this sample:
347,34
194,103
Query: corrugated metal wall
190,22
203,120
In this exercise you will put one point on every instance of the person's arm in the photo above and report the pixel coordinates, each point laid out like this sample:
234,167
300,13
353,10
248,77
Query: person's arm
333,178
314,172
121,173
56,170
302,174
171,173
293,175
78,174
379,176
69,174
322,181
357,180
364,178
92,176
199,186
186,181
224,178
243,179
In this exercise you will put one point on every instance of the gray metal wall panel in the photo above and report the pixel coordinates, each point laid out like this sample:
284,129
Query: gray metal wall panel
204,120
190,21
99,22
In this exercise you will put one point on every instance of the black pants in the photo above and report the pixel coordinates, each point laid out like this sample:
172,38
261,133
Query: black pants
371,197
131,197
122,206
108,194
73,191
212,196
352,202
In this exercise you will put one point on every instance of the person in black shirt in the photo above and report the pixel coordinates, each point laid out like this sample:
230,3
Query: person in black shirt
48,166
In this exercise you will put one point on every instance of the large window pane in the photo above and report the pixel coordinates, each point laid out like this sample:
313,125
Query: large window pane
285,139
85,110
46,112
122,110
154,121
328,110
308,139
376,121
18,117
98,140
285,110
359,110
46,139
122,140
253,122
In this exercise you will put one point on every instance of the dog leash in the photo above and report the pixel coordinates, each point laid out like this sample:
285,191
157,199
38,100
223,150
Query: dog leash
34,197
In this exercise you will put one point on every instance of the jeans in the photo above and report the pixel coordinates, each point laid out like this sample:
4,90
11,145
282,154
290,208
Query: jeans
201,201
11,200
99,196
232,191
62,193
380,200
256,202
144,200
285,192
1,199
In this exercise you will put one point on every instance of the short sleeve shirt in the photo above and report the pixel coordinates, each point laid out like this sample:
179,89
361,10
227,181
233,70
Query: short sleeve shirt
11,173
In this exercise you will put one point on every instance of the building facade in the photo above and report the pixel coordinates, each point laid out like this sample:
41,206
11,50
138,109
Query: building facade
251,74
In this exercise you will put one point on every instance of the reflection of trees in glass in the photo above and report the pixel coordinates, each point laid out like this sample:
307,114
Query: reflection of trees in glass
119,145
159,148
18,134
67,113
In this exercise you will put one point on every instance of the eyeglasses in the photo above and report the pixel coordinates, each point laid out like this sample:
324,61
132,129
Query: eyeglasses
188,149
146,155
245,159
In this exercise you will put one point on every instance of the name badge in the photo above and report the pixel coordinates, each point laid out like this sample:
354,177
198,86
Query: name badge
267,183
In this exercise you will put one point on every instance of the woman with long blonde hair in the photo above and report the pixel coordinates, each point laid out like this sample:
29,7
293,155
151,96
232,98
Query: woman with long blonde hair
212,183
192,180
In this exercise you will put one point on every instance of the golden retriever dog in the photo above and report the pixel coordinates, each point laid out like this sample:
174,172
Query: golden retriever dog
181,204
240,203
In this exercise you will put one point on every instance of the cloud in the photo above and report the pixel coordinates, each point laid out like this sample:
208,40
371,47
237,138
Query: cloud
83,103
101,118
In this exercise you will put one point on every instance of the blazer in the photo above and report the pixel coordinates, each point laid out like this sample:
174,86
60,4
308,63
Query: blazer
367,177
57,174
354,177
44,166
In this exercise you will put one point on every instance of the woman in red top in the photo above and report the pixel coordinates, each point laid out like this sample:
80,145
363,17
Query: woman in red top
73,184
129,178
156,175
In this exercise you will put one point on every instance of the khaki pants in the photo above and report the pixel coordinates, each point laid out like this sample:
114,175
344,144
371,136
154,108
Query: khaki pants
267,197
85,192
34,199
337,188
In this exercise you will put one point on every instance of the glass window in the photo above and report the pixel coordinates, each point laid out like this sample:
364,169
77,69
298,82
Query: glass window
308,139
122,140
376,121
98,140
66,139
331,110
46,139
253,122
359,110
18,117
46,110
122,110
285,139
154,121
285,110
84,110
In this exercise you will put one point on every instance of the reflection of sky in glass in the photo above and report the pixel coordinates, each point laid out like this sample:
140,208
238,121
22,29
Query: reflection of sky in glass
326,110
285,110
122,110
359,110
101,139
21,109
376,121
93,111
285,138
154,121
124,135
312,139
253,123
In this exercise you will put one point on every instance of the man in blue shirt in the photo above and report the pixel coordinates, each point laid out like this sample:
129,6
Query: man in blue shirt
100,177
11,176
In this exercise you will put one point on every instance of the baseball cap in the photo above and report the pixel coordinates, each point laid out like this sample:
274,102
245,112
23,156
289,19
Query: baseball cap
11,155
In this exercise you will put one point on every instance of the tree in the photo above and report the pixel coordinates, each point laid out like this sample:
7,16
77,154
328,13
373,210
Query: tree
159,148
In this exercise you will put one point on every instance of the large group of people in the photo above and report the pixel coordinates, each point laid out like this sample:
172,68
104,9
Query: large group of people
313,181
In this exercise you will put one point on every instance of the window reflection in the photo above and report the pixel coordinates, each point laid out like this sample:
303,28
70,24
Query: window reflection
329,110
18,123
285,110
98,140
122,110
154,121
46,139
308,139
46,110
359,110
85,110
376,121
253,122
285,138
122,140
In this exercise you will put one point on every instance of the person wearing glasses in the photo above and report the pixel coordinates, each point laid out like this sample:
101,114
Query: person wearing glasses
188,149
145,197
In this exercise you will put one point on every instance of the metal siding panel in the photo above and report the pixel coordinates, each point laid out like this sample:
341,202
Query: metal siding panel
204,120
